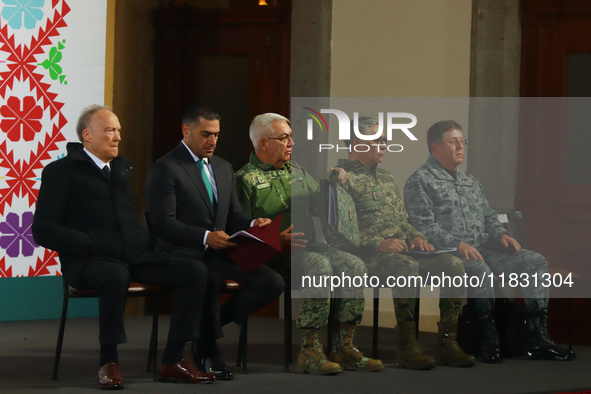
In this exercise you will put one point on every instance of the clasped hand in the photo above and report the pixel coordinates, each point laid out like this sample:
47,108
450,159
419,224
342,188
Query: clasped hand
395,245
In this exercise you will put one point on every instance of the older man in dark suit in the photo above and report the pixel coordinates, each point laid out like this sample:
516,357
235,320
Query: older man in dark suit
85,211
193,209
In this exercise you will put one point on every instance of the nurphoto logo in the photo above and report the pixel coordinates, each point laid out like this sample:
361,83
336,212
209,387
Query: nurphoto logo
344,124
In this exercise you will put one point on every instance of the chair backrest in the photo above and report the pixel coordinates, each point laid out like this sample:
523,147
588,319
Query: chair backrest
513,222
148,222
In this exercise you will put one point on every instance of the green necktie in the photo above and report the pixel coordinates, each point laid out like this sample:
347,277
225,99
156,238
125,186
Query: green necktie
206,181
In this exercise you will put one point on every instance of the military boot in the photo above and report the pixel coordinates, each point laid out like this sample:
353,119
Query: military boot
447,351
311,358
410,355
539,344
489,347
347,355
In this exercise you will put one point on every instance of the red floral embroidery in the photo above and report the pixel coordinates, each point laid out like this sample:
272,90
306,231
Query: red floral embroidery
17,121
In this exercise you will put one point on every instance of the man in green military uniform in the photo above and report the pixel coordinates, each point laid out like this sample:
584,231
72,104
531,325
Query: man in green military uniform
272,183
387,238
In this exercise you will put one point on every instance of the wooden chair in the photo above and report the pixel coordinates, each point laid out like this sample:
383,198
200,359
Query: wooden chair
229,287
287,331
136,289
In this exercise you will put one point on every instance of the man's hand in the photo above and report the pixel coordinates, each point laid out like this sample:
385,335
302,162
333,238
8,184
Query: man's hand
341,174
469,252
507,240
219,240
262,222
291,240
393,245
420,244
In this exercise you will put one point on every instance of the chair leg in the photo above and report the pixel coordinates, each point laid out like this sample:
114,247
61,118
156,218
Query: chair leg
60,337
239,356
242,342
287,322
570,323
376,314
330,325
417,314
153,352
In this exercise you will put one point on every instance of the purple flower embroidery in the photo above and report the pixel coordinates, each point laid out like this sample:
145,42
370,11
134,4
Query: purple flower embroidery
14,235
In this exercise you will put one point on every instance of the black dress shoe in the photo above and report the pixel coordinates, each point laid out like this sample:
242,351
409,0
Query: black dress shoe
491,355
550,352
214,365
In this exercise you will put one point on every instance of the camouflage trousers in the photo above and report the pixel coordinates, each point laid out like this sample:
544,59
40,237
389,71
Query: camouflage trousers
499,261
384,265
320,261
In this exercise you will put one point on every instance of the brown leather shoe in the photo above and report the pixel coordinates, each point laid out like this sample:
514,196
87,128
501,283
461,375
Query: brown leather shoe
183,372
109,377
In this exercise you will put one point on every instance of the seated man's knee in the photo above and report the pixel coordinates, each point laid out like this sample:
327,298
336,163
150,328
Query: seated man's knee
116,276
476,268
276,284
535,260
356,267
455,267
406,266
317,265
194,271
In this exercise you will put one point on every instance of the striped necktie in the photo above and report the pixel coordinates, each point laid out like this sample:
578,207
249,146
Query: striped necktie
206,181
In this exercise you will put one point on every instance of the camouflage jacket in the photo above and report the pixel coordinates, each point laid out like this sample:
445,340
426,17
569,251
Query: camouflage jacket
266,191
448,210
380,210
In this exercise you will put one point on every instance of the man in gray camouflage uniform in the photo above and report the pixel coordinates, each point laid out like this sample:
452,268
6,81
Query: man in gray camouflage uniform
273,184
448,205
386,239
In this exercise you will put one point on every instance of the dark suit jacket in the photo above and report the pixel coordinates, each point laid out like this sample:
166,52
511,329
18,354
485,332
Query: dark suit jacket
84,216
179,206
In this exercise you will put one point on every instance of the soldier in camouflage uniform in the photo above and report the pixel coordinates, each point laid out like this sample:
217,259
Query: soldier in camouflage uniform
273,184
386,237
448,205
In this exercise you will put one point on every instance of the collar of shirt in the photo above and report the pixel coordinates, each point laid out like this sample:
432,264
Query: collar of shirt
194,156
357,166
99,163
461,178
208,171
254,160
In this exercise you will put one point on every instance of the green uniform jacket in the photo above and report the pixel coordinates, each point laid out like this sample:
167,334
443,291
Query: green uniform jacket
266,191
380,210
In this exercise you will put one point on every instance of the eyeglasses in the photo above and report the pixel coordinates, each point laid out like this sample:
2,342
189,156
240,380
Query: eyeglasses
381,141
455,143
283,139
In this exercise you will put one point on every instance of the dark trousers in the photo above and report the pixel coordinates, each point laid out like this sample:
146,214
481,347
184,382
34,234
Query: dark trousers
187,277
261,286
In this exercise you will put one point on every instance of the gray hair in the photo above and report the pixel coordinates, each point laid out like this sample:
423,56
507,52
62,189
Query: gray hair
85,117
261,124
365,122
